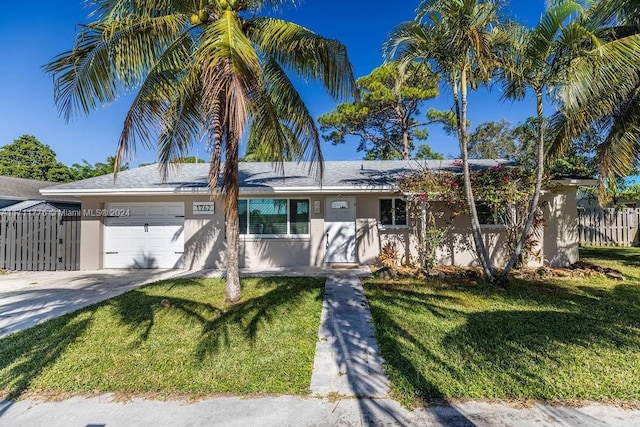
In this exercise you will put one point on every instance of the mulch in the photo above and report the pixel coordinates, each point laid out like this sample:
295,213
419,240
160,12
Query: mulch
579,269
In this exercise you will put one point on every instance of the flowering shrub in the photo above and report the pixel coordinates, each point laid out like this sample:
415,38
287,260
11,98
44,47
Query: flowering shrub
505,190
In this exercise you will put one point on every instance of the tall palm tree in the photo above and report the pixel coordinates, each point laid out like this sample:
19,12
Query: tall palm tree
458,38
537,59
201,69
602,89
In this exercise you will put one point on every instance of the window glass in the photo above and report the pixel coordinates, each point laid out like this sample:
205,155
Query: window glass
488,215
386,211
268,216
242,213
400,212
299,216
340,204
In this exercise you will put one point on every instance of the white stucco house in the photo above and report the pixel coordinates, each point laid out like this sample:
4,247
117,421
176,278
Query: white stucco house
288,219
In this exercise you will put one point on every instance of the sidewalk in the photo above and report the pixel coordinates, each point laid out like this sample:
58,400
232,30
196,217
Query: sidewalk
299,411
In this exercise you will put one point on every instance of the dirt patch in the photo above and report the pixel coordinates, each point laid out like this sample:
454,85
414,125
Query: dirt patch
528,403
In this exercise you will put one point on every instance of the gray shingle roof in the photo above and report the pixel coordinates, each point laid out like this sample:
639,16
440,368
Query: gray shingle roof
40,206
12,188
258,177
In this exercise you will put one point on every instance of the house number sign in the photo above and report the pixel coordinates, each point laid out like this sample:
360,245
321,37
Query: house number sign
203,208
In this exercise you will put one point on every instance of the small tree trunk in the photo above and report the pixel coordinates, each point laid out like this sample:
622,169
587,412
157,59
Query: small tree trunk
423,232
481,250
405,144
232,224
533,203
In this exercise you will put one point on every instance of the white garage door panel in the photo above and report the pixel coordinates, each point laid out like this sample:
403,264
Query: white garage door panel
151,236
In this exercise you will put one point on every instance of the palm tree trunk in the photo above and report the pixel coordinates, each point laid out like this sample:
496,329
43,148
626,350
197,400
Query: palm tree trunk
232,224
533,204
476,232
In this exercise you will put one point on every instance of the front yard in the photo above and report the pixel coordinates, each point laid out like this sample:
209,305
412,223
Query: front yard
196,346
555,339
558,339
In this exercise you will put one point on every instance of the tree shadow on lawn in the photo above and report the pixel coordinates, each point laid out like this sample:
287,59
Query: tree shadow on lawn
509,342
255,313
33,350
218,323
393,338
138,308
30,354
626,256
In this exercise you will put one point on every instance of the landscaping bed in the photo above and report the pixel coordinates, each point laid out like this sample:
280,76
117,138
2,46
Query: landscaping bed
173,338
553,339
578,269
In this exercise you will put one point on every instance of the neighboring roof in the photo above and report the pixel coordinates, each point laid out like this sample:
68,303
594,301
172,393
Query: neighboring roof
40,206
256,178
12,188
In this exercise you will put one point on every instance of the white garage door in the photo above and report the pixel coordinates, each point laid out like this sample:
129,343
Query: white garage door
144,235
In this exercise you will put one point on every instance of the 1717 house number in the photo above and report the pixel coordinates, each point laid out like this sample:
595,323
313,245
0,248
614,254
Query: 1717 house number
203,208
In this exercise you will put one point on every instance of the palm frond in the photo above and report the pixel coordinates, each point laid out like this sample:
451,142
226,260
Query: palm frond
150,108
106,10
292,118
306,54
109,58
543,37
181,126
620,152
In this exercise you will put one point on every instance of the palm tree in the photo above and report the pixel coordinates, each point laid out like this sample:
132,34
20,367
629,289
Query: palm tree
208,70
458,38
602,89
536,59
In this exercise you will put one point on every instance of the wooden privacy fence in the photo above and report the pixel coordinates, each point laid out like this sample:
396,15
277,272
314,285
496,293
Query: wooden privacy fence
609,227
34,241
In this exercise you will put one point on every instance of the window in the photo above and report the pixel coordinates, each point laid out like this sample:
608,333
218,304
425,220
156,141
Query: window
393,212
299,216
273,216
488,215
340,204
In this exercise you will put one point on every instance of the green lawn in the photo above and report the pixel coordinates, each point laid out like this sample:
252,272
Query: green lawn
196,347
559,339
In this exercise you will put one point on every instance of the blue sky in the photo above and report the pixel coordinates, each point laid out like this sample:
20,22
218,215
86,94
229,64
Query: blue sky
32,33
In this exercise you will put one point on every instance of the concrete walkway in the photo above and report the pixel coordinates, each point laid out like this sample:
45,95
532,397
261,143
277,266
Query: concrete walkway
347,362
29,298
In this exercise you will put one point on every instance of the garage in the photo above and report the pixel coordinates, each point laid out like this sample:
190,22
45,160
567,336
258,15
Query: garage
144,235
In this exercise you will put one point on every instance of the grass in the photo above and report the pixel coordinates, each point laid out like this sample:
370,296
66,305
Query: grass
196,347
564,339
625,259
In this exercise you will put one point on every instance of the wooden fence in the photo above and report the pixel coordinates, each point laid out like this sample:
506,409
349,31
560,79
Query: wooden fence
35,241
609,227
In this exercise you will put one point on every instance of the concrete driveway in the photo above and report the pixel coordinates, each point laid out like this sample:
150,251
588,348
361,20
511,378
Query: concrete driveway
28,298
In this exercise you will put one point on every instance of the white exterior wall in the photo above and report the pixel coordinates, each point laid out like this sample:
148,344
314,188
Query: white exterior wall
561,240
205,243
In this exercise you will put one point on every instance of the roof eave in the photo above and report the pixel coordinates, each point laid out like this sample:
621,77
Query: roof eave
204,190
575,182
